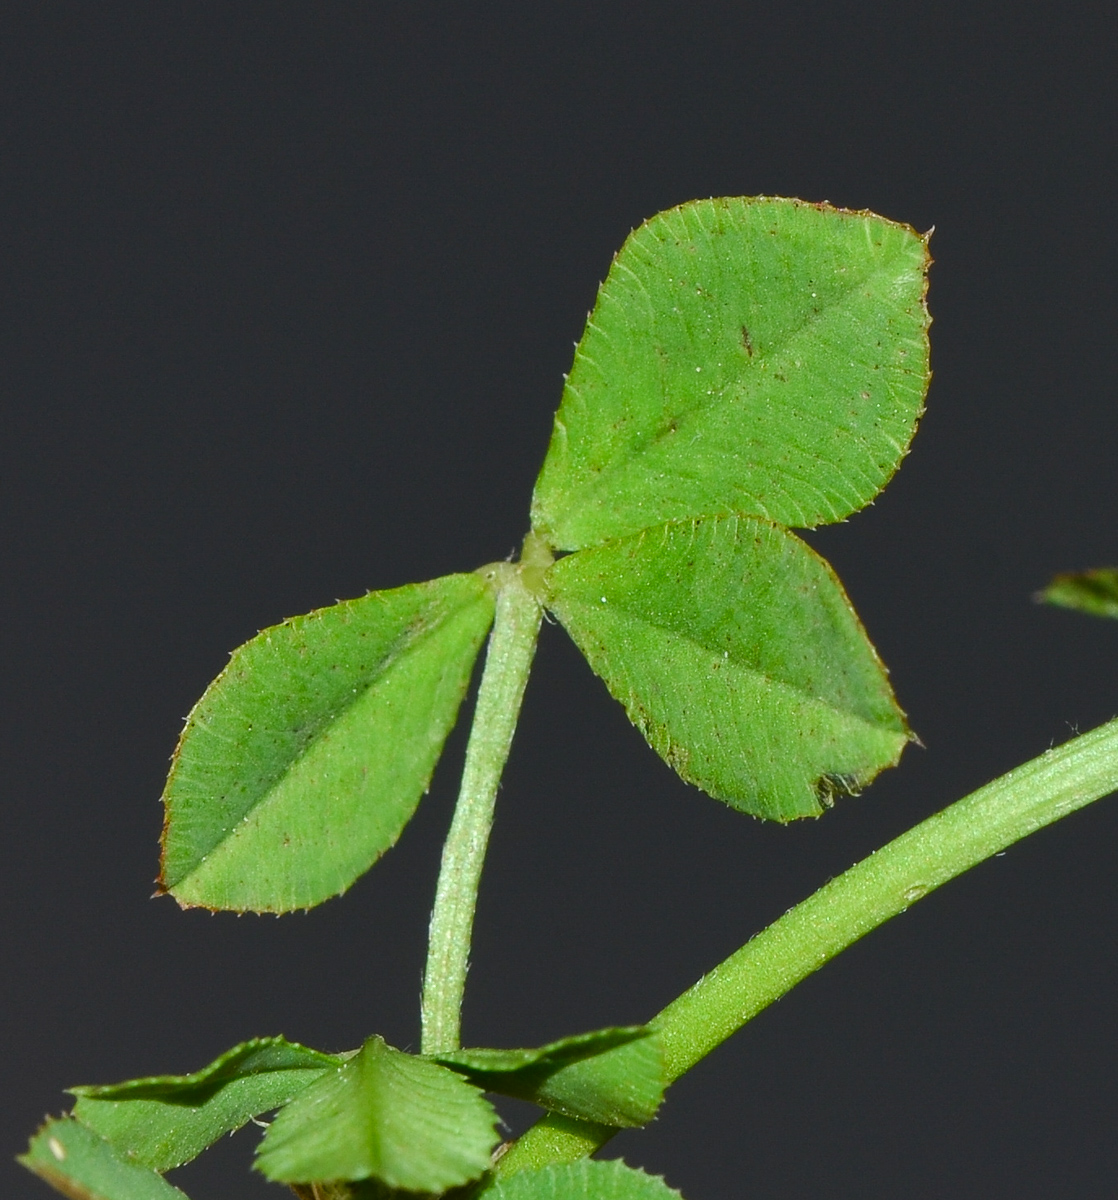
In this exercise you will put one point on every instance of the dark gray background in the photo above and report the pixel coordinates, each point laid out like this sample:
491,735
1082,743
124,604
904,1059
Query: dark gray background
288,291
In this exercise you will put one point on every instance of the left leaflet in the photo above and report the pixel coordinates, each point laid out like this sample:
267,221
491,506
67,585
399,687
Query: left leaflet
306,757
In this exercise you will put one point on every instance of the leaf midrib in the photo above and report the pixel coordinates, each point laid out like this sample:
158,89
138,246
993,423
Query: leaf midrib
771,680
401,646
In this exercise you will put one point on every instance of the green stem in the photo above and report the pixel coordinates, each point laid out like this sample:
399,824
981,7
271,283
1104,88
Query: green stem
879,887
507,663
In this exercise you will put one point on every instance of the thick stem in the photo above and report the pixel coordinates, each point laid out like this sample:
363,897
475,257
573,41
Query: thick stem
507,662
879,887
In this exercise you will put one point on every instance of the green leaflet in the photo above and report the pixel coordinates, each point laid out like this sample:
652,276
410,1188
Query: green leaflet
306,757
612,1076
383,1115
585,1180
756,356
550,1057
1094,592
736,653
167,1120
81,1165
622,1087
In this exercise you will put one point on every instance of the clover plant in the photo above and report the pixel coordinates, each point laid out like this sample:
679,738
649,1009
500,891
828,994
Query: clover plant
751,366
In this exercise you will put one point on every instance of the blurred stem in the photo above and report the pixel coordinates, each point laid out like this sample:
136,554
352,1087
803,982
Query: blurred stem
879,887
508,660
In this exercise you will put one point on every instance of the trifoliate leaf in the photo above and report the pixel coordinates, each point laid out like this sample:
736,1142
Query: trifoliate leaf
166,1120
384,1115
83,1166
612,1076
1094,592
306,757
736,653
585,1180
756,356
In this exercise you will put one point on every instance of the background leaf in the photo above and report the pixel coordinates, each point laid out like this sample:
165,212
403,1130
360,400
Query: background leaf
306,757
383,1115
167,1120
1094,592
83,1166
736,653
622,1087
759,356
613,1076
550,1057
585,1180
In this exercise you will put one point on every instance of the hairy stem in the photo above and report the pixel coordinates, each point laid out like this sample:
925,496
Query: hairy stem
879,887
507,663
